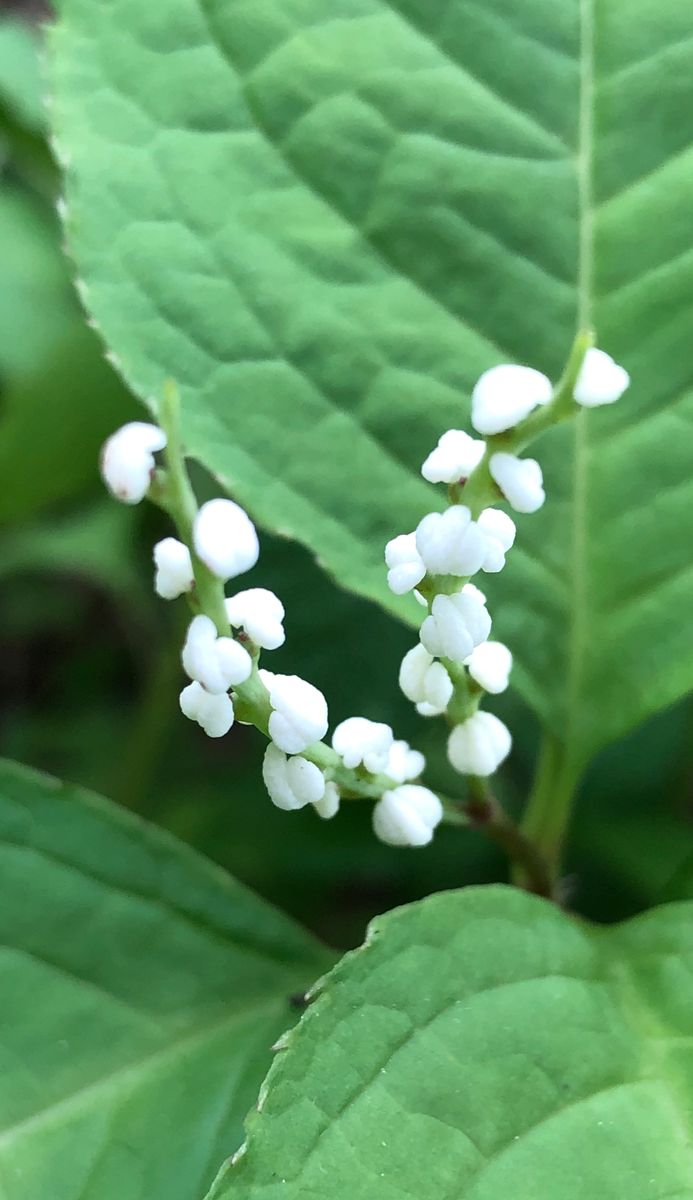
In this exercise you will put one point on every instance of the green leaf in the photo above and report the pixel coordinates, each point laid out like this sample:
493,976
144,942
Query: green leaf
142,990
324,219
482,1044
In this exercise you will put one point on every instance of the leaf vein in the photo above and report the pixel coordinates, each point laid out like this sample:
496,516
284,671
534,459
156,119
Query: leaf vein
501,101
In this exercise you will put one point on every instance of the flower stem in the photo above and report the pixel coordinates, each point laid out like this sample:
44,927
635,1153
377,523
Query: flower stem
480,489
176,496
485,812
173,493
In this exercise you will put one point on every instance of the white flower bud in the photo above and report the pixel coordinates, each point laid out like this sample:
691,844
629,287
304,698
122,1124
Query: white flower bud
358,740
499,530
454,458
403,763
260,613
412,672
214,714
299,715
407,816
506,395
174,570
225,539
490,665
479,745
405,566
291,782
455,626
450,543
216,662
328,806
601,380
425,682
520,480
127,460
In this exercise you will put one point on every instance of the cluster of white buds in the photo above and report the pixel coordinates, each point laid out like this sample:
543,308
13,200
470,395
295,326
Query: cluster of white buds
455,662
448,671
449,543
225,541
406,814
372,746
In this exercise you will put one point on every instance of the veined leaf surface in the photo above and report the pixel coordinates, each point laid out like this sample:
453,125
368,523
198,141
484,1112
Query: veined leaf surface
324,218
482,1044
142,990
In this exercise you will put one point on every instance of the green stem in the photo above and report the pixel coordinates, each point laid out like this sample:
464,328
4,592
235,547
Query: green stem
353,784
550,805
480,489
175,494
484,811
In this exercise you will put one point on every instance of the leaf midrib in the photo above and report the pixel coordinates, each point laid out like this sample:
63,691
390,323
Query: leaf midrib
224,935
122,1077
655,1036
585,287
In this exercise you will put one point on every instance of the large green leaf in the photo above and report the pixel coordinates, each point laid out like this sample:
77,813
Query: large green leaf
325,217
484,1045
141,989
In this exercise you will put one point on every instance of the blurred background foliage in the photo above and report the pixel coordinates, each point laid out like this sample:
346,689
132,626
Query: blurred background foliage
88,689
